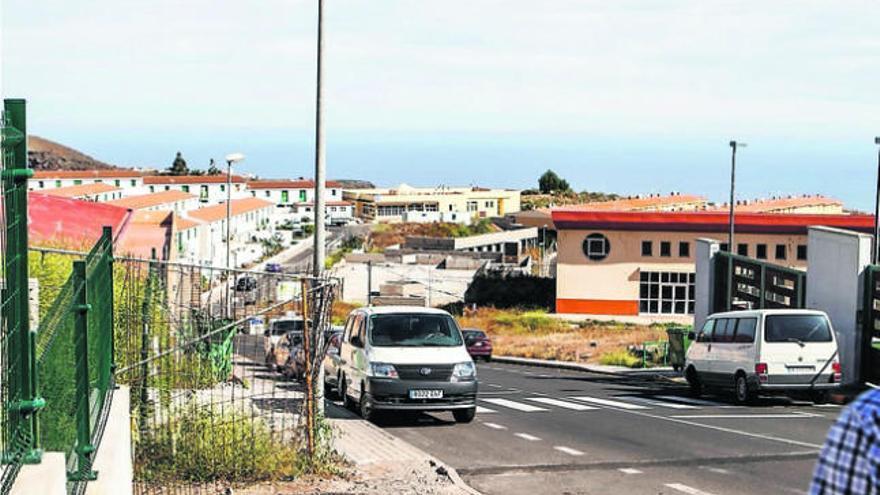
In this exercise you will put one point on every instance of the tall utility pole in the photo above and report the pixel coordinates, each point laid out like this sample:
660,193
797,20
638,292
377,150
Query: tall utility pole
876,253
320,180
320,169
230,159
730,237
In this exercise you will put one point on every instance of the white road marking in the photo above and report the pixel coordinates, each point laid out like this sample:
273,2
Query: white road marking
514,405
526,436
484,410
658,403
715,470
494,385
747,416
686,489
629,471
611,403
691,400
495,426
827,405
568,450
561,403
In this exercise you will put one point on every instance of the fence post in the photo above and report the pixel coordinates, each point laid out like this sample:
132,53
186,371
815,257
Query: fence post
84,448
21,441
145,349
107,361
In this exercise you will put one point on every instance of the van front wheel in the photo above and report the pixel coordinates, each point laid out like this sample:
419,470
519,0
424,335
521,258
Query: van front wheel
464,415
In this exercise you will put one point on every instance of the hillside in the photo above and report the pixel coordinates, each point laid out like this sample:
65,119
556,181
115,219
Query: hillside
49,155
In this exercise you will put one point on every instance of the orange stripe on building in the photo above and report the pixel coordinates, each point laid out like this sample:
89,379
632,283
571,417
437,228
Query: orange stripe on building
597,307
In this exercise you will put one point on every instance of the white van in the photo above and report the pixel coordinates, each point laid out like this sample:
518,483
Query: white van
406,358
768,350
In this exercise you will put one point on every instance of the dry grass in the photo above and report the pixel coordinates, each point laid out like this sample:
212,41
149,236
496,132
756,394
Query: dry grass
534,334
340,311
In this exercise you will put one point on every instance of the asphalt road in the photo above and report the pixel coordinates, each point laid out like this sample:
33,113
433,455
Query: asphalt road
540,430
302,262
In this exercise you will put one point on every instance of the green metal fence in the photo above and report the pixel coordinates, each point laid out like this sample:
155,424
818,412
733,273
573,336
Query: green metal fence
75,359
19,395
756,284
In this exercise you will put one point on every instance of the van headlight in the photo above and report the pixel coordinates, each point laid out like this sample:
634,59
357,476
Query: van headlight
383,370
464,372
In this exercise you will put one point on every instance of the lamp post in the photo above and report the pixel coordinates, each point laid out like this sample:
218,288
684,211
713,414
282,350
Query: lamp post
320,167
230,159
876,254
730,237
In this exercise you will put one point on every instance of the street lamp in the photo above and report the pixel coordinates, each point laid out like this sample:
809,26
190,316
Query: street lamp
730,236
230,159
876,254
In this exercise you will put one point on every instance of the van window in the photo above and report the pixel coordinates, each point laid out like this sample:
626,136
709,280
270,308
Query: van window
724,330
796,328
745,330
706,332
414,330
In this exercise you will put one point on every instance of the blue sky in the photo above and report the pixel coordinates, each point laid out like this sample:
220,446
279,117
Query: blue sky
626,96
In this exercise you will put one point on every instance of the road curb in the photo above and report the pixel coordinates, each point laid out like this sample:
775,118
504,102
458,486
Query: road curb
604,370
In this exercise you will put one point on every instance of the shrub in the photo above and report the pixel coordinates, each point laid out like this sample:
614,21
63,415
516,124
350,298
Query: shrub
620,358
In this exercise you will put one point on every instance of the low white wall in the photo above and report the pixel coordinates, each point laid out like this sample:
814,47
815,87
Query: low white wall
704,284
49,477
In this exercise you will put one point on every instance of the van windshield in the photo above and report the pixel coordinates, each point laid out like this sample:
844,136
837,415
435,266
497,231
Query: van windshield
796,328
284,326
414,330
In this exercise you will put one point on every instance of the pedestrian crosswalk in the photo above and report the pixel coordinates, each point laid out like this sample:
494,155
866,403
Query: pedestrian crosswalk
585,403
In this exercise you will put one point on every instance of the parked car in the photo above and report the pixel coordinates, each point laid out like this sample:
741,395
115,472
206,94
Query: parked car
276,353
274,268
294,366
246,283
406,358
331,364
478,344
254,326
751,352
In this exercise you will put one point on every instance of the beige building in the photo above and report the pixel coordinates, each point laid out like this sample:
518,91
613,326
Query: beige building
636,263
441,203
810,204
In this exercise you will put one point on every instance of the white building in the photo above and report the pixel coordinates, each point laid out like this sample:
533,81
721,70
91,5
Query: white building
335,211
201,233
176,201
210,189
286,192
43,180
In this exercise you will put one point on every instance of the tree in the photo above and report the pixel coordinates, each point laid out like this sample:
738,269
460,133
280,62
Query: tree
550,183
212,168
178,167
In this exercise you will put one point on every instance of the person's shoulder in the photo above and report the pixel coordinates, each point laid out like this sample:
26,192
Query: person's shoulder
867,409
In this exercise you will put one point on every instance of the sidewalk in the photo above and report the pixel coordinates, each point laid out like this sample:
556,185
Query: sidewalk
386,464
665,371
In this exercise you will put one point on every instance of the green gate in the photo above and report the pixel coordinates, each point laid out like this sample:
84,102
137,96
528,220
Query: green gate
756,285
870,316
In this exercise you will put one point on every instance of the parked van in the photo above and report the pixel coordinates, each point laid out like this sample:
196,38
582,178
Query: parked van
406,358
771,350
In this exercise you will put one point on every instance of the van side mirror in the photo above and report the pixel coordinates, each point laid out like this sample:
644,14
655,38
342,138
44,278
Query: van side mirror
692,336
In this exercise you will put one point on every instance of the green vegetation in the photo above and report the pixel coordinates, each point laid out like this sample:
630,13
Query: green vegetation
529,322
620,357
178,166
346,247
550,183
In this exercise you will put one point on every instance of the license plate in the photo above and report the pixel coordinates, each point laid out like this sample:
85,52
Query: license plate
425,394
800,369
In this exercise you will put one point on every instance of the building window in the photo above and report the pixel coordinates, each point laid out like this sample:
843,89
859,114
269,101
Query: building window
99,181
184,189
302,195
333,192
203,193
742,249
666,293
152,189
117,183
802,252
472,206
253,194
167,188
596,247
77,182
647,248
222,187
724,247
684,249
133,182
780,251
761,251
665,249
431,207
57,183
285,196
268,193
40,184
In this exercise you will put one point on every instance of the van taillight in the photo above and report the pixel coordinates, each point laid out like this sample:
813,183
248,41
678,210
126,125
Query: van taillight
836,376
761,371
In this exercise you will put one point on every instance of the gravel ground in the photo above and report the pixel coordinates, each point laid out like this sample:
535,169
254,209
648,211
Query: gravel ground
377,479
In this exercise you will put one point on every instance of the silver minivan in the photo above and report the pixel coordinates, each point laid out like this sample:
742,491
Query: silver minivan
769,350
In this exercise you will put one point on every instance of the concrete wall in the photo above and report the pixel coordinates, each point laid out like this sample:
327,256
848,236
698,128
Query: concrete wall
705,282
113,460
49,477
835,283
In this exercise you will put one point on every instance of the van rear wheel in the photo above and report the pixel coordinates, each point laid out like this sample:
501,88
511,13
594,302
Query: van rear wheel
694,383
741,390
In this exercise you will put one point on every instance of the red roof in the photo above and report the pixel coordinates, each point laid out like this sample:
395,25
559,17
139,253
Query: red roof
776,204
191,179
71,223
218,212
87,174
706,221
80,190
146,231
150,200
641,203
288,184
